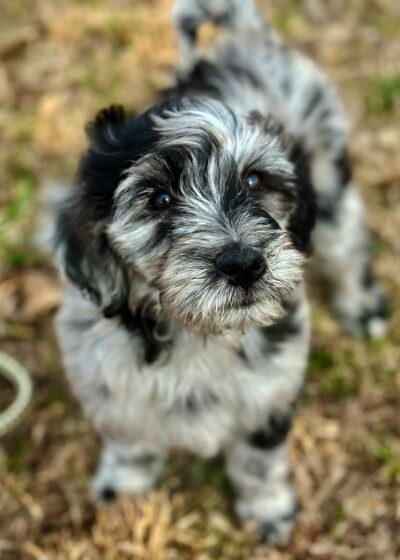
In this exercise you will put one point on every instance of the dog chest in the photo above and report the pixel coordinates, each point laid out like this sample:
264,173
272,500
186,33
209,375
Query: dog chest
198,397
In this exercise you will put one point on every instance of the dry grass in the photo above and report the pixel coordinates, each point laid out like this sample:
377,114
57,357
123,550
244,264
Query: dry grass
62,60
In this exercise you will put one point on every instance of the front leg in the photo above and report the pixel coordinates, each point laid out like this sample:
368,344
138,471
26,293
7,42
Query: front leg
125,467
259,469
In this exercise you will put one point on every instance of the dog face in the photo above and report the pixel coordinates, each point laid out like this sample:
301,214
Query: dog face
201,206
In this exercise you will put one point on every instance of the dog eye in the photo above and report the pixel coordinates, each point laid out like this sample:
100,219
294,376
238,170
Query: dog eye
253,182
161,201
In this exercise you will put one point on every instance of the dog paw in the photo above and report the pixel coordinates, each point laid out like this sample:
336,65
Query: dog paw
368,318
275,515
277,532
128,481
135,475
374,320
103,487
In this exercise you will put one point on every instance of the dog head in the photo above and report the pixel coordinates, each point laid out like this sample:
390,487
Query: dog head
210,212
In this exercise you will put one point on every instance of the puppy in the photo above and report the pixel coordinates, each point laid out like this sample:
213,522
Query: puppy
185,321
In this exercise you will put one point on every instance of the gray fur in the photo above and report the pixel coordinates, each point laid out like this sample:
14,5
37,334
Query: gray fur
228,365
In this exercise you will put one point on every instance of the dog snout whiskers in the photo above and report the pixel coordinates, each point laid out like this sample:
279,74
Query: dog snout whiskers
241,265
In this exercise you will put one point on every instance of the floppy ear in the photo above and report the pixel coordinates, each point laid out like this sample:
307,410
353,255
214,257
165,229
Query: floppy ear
87,257
302,221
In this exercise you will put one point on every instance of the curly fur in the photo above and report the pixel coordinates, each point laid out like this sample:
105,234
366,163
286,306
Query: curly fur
164,345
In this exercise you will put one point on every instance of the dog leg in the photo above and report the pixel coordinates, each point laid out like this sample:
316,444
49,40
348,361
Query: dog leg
259,468
125,467
342,248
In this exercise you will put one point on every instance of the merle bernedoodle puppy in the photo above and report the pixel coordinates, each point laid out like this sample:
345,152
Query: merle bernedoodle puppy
185,322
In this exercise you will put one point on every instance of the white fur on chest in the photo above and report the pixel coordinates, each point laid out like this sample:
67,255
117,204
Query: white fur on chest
201,396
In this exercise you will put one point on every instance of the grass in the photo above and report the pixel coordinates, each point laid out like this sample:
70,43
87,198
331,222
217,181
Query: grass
383,95
345,442
13,244
389,458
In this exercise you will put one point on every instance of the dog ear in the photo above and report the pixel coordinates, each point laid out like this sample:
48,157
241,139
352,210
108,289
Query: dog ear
87,257
302,221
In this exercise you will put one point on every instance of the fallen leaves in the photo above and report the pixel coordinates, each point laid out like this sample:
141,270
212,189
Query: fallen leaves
61,62
29,296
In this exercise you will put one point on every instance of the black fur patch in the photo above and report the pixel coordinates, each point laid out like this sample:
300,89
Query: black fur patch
368,278
89,261
315,99
380,310
274,434
189,27
116,141
234,199
244,74
343,168
144,325
283,329
108,494
200,80
303,219
327,208
269,531
326,211
203,78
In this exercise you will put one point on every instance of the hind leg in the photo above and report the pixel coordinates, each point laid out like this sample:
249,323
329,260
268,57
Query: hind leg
342,248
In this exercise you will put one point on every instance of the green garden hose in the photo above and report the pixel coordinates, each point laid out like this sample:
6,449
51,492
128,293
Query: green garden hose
22,382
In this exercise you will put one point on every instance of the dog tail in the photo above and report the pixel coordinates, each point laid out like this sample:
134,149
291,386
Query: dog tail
189,15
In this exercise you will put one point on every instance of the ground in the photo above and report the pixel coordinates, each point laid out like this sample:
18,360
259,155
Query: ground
60,61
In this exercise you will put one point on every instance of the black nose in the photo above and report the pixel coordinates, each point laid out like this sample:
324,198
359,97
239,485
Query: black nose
241,265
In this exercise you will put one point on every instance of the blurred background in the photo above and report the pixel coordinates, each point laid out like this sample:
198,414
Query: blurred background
61,61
